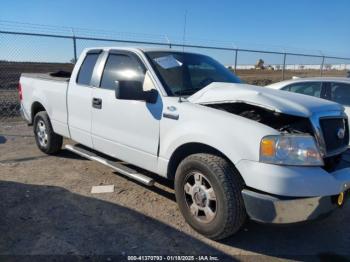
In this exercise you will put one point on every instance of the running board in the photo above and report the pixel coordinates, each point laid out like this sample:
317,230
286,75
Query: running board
117,166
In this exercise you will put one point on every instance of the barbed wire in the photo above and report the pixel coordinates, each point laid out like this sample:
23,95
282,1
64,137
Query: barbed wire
162,38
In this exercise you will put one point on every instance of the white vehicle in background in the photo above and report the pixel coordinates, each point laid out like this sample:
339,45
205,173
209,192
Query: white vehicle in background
233,150
336,89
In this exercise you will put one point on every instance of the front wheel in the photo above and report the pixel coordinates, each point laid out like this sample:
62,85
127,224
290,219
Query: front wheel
208,192
46,139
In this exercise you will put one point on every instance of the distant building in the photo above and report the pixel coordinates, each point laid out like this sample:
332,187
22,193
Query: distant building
298,66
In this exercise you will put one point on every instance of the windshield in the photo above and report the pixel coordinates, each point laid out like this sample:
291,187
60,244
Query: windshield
185,73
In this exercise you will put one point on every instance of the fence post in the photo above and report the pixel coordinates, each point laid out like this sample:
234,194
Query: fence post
322,65
74,45
168,40
236,55
75,49
284,65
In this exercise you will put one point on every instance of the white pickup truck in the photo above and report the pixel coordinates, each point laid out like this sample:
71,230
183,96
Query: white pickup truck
235,151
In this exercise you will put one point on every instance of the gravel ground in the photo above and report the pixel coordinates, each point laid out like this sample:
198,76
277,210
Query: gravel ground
46,208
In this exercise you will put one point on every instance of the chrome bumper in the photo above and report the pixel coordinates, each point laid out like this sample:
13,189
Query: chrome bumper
283,210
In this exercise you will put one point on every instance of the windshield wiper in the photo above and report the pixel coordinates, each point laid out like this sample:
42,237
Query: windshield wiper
190,91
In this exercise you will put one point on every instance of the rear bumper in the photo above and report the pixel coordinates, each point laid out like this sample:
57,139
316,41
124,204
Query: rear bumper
281,210
21,111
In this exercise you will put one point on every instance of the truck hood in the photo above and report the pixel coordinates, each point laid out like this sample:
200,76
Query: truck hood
275,100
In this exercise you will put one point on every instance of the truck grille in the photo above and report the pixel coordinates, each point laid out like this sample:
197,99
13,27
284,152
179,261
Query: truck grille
332,133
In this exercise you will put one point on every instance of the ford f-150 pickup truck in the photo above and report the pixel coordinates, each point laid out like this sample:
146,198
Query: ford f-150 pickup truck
235,151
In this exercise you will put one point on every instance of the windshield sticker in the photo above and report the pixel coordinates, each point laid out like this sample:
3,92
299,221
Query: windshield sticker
168,62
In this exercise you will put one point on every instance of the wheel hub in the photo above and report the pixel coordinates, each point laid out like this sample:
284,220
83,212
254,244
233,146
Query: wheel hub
42,133
200,197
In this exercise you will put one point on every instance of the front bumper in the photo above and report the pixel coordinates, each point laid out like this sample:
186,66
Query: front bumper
294,181
283,210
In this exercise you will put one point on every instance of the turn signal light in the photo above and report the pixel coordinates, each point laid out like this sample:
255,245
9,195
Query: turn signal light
267,147
340,199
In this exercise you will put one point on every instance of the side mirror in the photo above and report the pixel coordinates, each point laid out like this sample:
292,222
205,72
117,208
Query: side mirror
133,90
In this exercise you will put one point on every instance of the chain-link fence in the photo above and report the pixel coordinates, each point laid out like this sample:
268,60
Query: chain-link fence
28,48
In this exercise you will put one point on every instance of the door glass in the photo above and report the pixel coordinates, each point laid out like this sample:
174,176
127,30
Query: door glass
340,93
120,67
305,88
86,69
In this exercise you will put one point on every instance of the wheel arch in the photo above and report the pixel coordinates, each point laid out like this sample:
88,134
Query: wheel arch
187,149
36,108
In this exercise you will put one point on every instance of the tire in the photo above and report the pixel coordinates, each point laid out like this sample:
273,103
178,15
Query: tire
46,139
195,179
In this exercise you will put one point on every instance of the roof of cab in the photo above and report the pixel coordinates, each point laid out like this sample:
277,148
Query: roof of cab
137,49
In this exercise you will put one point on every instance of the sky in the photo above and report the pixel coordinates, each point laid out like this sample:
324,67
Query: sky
299,25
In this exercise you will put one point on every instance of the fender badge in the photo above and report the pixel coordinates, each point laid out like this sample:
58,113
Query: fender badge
341,133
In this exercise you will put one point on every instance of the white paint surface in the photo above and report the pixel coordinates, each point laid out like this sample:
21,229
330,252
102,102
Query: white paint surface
102,189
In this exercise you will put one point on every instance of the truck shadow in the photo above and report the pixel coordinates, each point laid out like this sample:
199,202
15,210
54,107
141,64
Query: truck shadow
3,140
22,159
63,154
36,219
327,238
156,189
160,180
14,135
70,155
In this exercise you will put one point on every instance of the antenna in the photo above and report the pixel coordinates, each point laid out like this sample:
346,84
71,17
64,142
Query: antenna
183,47
184,32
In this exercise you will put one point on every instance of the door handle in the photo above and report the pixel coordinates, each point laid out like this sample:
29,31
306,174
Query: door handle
97,103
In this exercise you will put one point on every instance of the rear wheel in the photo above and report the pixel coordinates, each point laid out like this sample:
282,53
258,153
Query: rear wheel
46,139
208,192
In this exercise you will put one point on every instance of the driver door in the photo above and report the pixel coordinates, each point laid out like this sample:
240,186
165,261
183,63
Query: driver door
125,129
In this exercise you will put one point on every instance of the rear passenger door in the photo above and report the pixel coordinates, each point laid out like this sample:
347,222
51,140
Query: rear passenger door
306,88
340,93
79,99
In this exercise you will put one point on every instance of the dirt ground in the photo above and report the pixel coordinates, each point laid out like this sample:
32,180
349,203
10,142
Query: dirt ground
266,77
46,208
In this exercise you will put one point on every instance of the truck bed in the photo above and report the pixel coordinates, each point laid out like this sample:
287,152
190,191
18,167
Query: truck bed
56,76
49,91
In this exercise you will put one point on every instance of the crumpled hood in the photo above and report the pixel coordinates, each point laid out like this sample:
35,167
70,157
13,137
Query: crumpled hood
275,100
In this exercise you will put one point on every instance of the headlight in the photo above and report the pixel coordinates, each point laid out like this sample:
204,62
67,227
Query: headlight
296,150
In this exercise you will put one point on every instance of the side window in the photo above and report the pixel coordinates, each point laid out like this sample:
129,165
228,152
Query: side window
340,93
86,69
286,88
305,88
121,67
